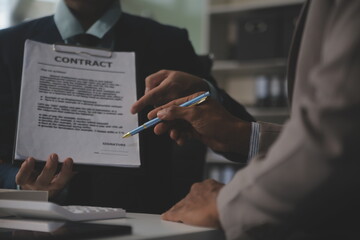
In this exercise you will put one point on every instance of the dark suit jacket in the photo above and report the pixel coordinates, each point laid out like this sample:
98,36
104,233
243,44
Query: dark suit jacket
157,47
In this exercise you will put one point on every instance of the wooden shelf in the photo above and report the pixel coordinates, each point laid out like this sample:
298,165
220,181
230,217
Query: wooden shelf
235,76
271,114
219,160
214,158
229,66
227,8
269,111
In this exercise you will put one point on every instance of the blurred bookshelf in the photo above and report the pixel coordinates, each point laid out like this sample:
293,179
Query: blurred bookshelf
226,67
250,41
235,6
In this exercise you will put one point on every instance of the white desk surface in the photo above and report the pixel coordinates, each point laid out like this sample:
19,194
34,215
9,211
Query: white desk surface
144,226
150,226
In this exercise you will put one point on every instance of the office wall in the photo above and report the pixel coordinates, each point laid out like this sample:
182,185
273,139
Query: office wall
13,12
29,9
189,14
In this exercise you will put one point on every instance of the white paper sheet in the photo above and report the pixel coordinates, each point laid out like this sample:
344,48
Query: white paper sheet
76,102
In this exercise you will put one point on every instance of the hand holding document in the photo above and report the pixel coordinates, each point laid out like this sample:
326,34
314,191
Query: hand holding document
76,102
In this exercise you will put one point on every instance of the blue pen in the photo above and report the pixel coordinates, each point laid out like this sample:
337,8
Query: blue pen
199,99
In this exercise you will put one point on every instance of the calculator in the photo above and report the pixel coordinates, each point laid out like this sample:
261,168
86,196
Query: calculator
49,210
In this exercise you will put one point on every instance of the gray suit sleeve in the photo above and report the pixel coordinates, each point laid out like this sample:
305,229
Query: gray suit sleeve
268,134
314,162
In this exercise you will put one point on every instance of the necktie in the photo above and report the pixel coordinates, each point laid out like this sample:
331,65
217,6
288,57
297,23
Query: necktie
87,40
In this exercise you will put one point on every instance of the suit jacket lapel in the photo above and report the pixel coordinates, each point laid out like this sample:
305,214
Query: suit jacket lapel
294,53
129,37
46,32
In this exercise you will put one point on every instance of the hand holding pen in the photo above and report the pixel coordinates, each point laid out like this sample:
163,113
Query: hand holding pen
210,123
197,100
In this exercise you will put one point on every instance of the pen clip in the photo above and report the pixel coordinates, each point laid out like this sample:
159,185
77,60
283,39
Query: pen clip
198,102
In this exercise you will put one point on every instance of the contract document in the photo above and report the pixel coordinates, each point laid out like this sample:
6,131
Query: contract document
76,102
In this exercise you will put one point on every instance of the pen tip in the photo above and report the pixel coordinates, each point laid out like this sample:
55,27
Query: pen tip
126,135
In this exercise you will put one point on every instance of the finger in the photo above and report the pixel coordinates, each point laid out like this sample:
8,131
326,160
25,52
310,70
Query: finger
174,134
177,102
65,174
155,79
173,112
47,174
25,171
153,97
182,138
174,213
170,216
162,128
178,136
179,205
152,113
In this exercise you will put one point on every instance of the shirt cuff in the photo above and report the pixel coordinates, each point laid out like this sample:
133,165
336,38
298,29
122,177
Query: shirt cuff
254,140
213,92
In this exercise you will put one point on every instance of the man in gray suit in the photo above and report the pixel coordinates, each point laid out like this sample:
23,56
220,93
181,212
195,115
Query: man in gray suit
304,181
